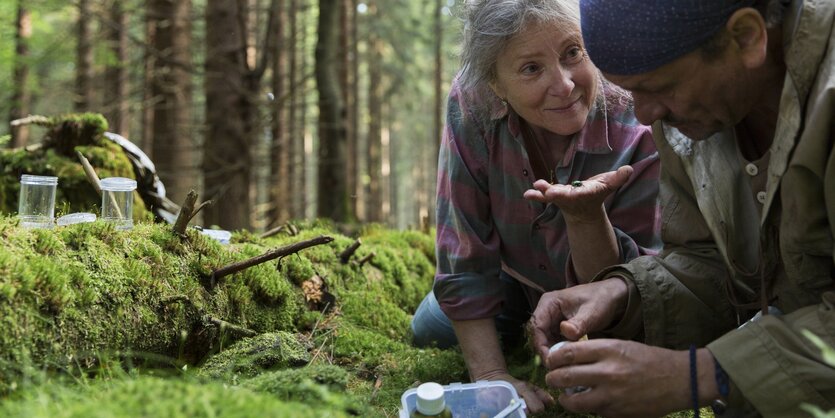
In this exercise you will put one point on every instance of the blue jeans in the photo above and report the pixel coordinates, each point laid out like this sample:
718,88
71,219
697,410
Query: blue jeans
431,327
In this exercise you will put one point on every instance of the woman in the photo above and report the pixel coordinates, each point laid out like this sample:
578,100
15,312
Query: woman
528,104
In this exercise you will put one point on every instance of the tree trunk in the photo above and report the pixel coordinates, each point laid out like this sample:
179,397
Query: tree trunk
148,99
332,172
174,149
229,110
347,81
84,66
279,152
435,138
21,98
296,101
375,97
116,75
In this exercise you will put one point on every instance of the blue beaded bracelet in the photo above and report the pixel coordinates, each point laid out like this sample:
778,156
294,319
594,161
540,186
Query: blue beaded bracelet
694,381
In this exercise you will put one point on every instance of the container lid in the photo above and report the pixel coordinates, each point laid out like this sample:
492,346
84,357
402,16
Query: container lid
39,180
482,398
118,184
76,218
218,234
430,399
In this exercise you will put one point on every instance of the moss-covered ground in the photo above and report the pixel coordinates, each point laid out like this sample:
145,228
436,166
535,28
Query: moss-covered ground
96,322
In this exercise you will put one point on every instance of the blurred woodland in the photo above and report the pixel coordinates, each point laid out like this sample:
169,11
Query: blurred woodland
273,109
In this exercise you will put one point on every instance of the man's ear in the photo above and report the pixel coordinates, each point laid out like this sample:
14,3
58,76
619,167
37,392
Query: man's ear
748,32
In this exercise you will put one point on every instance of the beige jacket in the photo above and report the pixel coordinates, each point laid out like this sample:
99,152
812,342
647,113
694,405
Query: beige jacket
711,229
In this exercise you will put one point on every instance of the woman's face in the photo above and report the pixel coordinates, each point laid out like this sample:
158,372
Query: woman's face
546,76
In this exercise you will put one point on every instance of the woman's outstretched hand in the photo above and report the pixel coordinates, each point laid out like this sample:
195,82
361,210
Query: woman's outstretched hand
580,201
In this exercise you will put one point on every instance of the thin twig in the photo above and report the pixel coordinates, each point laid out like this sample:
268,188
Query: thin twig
199,208
229,326
270,255
32,120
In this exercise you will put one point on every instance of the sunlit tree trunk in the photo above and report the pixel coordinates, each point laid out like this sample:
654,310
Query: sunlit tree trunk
175,153
438,118
375,97
21,98
347,81
116,75
84,58
332,147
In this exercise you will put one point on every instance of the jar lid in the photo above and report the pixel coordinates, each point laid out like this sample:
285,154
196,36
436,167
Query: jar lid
76,218
38,180
430,399
118,184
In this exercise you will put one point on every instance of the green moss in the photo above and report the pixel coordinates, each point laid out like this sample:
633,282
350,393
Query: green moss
320,384
250,356
154,397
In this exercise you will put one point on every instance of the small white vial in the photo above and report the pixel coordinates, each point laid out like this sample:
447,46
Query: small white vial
573,390
117,201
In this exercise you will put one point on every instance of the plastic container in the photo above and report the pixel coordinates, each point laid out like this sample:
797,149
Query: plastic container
36,205
473,400
76,218
117,201
220,235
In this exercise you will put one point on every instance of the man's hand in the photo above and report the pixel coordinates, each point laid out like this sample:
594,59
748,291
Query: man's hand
625,378
576,311
536,398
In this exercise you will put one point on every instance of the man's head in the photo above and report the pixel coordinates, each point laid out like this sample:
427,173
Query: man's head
699,65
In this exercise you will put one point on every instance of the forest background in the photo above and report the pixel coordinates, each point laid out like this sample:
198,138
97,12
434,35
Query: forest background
273,109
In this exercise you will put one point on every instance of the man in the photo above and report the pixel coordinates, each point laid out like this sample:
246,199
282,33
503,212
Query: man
742,97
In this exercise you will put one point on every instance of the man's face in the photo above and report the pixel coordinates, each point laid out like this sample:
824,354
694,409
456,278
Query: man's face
698,97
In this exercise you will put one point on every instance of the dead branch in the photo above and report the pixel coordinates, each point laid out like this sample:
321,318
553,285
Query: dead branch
270,255
32,120
272,232
186,213
223,325
345,256
361,262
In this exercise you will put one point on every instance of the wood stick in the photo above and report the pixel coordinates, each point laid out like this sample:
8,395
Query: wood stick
229,326
270,255
185,214
199,208
346,255
272,232
365,259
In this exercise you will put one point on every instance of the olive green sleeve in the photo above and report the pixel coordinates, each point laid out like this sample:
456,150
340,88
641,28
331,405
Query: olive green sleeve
788,363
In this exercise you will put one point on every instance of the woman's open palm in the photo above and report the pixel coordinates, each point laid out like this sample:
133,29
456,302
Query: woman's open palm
584,197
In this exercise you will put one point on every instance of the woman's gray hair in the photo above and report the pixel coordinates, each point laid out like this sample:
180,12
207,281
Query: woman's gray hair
490,24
